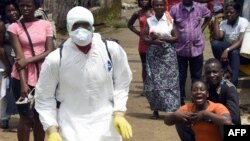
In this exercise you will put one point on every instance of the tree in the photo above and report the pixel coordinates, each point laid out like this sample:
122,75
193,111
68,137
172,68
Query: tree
60,8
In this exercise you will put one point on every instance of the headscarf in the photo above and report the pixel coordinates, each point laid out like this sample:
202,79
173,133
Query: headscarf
78,14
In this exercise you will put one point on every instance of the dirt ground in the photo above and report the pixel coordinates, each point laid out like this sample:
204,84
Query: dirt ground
138,114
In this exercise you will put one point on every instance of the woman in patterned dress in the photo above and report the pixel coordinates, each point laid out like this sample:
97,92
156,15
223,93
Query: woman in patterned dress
162,83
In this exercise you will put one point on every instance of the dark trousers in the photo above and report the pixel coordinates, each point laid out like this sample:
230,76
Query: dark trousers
186,133
234,58
195,66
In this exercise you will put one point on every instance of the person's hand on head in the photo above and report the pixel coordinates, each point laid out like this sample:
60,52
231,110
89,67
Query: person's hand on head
220,15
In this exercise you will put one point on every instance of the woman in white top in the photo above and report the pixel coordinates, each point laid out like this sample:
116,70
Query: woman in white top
162,83
228,37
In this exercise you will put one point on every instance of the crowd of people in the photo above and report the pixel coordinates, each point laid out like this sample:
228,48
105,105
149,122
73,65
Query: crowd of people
175,41
37,78
46,86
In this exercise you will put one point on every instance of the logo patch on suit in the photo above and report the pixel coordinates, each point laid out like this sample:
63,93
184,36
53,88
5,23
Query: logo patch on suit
109,63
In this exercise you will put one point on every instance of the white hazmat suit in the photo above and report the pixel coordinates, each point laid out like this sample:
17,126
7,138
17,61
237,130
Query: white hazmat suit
89,87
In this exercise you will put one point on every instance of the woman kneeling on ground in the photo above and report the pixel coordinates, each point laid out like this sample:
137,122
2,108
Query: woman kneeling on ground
205,117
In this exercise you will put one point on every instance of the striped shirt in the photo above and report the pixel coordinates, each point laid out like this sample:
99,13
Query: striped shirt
191,40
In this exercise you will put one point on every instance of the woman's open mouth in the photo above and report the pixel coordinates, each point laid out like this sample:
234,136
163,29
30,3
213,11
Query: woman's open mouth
199,99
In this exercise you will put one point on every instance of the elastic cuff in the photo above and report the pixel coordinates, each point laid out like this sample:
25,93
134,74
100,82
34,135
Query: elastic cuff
52,129
118,113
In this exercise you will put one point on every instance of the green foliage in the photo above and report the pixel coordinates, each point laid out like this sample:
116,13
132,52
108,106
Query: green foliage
110,16
116,23
207,33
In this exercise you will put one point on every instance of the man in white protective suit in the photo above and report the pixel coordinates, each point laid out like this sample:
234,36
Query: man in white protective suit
91,87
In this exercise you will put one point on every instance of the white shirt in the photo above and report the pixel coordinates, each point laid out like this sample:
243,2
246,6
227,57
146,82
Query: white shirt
231,33
163,26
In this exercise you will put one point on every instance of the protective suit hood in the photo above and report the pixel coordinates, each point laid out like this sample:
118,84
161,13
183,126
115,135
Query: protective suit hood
77,14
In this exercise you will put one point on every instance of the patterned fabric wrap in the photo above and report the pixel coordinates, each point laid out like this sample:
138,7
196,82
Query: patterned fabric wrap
162,83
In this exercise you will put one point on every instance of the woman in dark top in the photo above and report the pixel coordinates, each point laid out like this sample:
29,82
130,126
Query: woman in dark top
12,14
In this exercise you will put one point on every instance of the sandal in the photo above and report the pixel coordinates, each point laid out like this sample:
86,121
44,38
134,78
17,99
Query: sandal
155,115
26,100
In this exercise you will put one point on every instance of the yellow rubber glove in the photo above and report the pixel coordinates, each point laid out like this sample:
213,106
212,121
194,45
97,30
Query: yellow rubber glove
122,126
54,137
53,134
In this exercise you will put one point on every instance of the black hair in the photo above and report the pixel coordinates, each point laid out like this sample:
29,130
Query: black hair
213,60
235,5
202,81
37,4
155,0
8,3
148,6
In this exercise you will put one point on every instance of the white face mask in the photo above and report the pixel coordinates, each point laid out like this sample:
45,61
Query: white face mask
81,36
